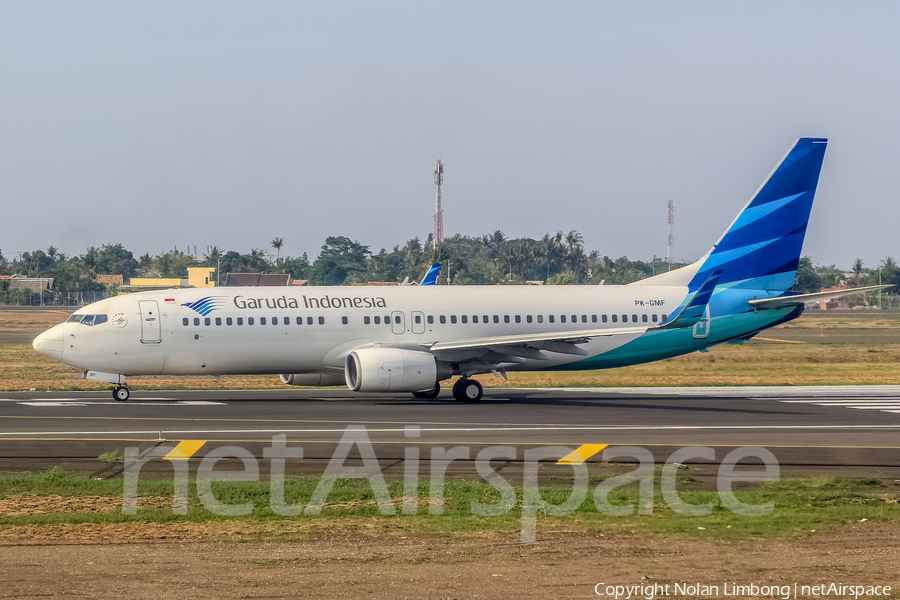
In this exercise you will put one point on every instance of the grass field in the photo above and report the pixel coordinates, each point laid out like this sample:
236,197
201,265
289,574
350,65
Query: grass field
56,498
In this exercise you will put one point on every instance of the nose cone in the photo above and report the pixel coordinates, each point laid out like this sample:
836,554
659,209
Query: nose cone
50,343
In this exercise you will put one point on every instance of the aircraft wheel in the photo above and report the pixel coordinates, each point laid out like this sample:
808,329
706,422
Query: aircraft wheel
432,393
467,390
121,394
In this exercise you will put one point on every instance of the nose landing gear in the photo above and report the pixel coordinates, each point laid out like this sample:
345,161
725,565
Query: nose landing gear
121,393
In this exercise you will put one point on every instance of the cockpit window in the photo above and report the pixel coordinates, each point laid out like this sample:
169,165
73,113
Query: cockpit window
88,320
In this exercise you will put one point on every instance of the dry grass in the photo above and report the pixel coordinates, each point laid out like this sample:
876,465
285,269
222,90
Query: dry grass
860,319
14,320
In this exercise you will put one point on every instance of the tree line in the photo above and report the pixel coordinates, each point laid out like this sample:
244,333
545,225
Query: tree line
491,259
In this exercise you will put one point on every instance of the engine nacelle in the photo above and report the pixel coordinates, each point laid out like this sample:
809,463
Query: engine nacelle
312,379
393,370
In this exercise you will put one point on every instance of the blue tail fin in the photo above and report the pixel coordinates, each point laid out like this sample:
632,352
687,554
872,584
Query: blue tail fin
762,247
432,275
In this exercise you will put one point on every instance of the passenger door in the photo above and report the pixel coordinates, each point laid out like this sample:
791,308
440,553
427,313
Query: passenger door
418,322
150,327
701,327
398,324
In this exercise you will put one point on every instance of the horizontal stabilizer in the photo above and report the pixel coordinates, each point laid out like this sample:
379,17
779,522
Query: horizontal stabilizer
769,303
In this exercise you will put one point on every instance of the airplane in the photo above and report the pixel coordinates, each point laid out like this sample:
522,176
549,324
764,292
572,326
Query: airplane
430,277
407,339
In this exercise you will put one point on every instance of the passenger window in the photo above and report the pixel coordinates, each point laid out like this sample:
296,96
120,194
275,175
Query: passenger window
653,318
184,321
378,320
615,318
387,320
664,318
196,322
584,318
518,318
249,320
430,320
496,318
644,318
274,320
528,318
443,319
593,318
562,318
465,319
240,320
624,318
574,318
228,321
550,318
262,321
397,319
344,320
309,320
540,318
418,319
603,318
453,319
634,318
366,320
321,320
299,320
506,318
484,319
474,318
218,320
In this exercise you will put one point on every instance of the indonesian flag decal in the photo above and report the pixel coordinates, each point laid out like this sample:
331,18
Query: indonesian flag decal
170,299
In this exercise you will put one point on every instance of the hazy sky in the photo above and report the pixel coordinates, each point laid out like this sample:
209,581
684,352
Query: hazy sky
168,124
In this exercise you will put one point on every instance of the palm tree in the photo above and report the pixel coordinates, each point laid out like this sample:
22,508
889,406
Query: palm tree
277,243
857,270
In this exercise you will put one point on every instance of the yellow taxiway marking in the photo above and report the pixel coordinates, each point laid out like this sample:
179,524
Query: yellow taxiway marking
782,341
184,450
581,454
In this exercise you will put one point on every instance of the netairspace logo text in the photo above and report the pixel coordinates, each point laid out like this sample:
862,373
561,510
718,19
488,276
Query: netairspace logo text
785,592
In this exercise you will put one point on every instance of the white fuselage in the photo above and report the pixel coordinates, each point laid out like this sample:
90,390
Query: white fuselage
313,329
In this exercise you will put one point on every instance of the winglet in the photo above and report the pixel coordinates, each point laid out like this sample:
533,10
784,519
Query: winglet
696,308
432,275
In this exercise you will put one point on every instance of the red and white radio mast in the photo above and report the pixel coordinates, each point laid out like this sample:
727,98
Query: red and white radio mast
438,211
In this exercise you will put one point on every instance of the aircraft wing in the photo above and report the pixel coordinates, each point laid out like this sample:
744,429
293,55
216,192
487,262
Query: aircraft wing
530,345
770,303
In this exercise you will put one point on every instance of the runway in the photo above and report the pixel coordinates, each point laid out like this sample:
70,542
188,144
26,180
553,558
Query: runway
816,426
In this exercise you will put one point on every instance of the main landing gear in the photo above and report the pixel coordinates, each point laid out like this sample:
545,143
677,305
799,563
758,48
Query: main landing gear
467,390
432,393
121,393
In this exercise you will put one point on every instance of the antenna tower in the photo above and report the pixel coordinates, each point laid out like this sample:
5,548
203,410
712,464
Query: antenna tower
438,211
670,219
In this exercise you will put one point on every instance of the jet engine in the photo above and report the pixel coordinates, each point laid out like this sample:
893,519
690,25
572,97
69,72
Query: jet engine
312,379
393,370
